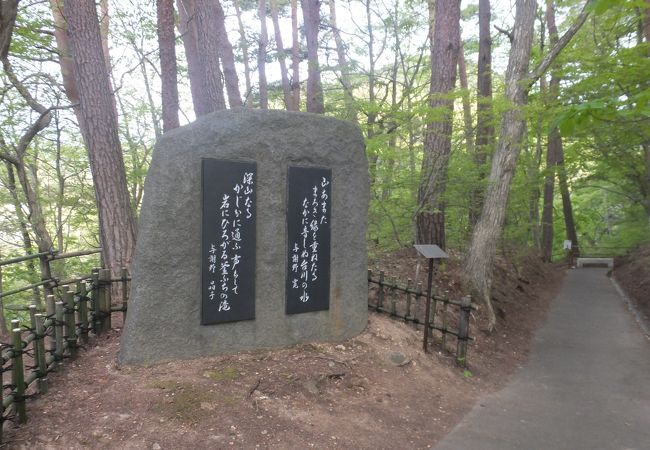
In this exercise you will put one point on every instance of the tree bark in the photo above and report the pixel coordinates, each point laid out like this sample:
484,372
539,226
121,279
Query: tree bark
484,119
486,234
279,47
227,57
65,59
208,50
445,49
168,70
189,33
116,222
261,55
311,19
295,58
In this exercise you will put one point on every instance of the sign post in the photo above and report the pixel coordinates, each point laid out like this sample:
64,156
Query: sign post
430,252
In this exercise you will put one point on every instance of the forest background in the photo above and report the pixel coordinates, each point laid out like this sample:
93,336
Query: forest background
489,128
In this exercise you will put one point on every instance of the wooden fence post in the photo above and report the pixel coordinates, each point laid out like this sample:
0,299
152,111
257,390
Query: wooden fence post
418,294
2,398
58,332
18,374
463,330
41,359
393,298
50,311
36,346
82,311
96,297
105,306
70,325
407,312
445,313
380,298
125,292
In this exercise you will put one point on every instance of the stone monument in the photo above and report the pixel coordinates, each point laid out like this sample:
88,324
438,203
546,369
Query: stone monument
251,235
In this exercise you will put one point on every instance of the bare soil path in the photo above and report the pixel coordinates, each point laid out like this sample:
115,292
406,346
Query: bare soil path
347,395
584,387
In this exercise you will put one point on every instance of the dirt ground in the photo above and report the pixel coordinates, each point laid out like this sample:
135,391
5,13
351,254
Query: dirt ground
376,391
633,274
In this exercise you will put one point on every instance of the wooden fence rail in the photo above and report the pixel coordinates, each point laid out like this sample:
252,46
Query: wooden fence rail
53,335
408,303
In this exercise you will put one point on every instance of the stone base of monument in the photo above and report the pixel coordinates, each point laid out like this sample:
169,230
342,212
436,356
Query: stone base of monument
251,235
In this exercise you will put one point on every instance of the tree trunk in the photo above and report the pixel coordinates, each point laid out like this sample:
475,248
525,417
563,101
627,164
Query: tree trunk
189,33
350,108
437,142
24,231
227,57
168,71
279,47
467,109
295,58
116,223
208,50
3,323
549,188
261,55
535,193
311,19
486,234
243,44
65,59
484,120
567,207
555,140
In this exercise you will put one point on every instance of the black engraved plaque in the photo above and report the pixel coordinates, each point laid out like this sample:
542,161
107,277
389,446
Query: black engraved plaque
308,240
228,241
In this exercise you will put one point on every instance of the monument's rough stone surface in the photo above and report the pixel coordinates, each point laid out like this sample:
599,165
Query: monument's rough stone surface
163,319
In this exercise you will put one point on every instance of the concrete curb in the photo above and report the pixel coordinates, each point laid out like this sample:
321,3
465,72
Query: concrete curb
638,316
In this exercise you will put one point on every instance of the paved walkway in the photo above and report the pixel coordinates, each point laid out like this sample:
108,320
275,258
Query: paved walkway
586,385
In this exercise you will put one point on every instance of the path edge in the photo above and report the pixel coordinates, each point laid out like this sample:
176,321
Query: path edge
638,317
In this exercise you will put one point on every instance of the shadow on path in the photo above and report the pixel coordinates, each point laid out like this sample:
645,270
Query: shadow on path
585,386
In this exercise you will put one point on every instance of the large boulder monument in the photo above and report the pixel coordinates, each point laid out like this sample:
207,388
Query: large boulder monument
251,235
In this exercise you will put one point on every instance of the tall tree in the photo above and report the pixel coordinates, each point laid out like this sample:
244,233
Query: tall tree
189,33
208,50
556,149
311,19
343,66
482,252
295,58
445,49
279,48
261,55
168,71
100,133
484,120
243,45
227,57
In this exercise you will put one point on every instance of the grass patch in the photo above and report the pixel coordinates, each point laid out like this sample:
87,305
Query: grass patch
225,374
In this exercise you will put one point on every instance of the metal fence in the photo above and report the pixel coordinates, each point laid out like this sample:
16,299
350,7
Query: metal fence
409,304
77,307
